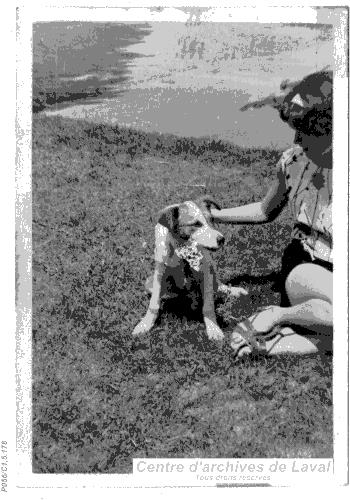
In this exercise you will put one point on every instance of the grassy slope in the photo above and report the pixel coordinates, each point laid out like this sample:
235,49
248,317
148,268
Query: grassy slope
98,399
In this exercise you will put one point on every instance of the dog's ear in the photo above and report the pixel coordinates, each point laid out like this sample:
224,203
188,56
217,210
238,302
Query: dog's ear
169,217
207,202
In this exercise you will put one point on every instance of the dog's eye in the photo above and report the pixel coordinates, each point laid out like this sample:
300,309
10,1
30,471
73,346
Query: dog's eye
197,224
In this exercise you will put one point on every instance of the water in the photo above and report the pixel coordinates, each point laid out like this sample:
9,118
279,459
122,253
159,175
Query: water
186,79
82,60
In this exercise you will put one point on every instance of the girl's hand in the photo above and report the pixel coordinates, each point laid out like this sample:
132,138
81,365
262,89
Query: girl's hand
215,214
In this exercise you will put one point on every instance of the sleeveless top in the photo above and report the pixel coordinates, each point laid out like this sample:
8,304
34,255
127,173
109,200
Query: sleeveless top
309,189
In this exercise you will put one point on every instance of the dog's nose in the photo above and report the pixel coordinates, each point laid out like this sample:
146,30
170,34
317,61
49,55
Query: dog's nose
221,240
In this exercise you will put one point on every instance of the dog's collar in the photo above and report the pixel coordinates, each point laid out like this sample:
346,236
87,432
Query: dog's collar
191,254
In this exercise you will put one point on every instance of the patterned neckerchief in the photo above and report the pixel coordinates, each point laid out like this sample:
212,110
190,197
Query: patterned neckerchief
191,254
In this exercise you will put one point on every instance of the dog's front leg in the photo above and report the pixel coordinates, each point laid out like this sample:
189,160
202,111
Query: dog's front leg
150,318
214,332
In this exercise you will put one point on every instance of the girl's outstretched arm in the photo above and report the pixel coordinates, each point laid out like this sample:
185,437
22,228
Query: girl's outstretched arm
259,212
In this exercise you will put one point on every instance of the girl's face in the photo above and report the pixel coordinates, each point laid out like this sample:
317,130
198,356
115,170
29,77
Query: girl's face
308,109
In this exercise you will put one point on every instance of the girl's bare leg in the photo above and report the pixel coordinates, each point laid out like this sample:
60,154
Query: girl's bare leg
310,291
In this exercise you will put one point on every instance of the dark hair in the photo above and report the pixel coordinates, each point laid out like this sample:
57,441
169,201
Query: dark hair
316,114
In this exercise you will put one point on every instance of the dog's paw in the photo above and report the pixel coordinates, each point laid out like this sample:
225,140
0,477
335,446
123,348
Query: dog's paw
214,332
145,325
233,291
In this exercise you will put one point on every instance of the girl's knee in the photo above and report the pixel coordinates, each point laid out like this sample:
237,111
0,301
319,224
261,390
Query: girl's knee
309,281
295,282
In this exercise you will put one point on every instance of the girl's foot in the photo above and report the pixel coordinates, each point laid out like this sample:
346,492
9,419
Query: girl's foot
250,335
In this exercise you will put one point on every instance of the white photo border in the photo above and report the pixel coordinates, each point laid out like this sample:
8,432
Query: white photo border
21,344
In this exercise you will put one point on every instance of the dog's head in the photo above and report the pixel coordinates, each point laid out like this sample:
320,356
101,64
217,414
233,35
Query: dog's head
190,221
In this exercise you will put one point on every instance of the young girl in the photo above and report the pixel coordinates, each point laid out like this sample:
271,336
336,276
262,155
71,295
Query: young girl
304,180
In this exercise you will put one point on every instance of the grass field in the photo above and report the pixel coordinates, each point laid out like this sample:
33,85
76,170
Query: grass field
98,399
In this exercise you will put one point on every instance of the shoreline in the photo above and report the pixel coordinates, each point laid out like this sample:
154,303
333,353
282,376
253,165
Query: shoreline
199,114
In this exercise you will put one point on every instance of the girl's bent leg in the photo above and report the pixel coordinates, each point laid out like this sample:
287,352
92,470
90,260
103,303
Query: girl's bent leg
309,288
309,281
310,291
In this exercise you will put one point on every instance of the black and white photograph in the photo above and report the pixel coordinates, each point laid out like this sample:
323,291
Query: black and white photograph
174,246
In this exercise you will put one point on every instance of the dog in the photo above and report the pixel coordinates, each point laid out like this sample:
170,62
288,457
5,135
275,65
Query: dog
184,239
